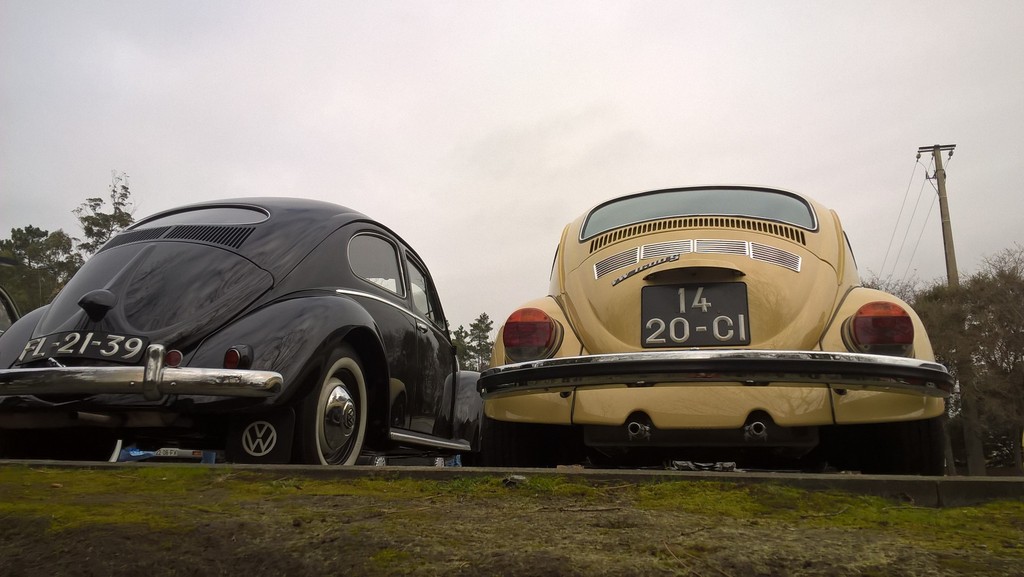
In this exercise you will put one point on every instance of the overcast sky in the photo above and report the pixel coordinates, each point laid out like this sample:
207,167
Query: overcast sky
478,129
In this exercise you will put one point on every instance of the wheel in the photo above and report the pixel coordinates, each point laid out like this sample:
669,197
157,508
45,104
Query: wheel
58,444
900,448
500,445
505,444
331,426
914,447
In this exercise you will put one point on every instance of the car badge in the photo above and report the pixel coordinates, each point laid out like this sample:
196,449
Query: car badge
259,438
643,267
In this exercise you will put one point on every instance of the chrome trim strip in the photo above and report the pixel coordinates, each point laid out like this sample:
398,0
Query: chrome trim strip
429,323
723,367
152,380
753,250
670,248
621,260
770,254
715,246
414,438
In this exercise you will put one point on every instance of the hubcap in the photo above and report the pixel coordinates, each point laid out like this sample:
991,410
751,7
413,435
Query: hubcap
340,420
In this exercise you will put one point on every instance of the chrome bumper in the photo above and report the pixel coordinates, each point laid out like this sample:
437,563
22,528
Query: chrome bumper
723,367
152,380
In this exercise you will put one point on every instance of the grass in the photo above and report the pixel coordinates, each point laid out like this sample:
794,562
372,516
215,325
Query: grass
382,525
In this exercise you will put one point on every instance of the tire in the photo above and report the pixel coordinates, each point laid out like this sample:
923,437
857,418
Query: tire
331,426
900,448
58,444
915,447
505,444
501,443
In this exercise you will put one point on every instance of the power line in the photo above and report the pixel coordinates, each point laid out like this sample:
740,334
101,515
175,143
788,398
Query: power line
906,195
916,244
910,223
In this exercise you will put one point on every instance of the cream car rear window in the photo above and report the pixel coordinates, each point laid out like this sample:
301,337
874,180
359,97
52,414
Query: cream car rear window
753,203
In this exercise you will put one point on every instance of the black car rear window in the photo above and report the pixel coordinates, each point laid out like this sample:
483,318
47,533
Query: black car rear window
225,215
753,203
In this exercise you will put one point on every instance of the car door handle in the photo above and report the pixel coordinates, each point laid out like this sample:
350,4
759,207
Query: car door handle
421,327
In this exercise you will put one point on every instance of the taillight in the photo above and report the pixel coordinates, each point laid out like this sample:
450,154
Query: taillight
173,358
530,334
881,327
238,357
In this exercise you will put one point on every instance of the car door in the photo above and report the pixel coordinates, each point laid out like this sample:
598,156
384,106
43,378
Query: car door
381,289
434,350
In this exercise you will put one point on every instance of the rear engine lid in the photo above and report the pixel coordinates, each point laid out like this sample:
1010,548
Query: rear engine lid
717,298
173,293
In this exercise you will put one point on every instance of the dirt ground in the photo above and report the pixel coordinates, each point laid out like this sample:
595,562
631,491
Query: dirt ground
206,521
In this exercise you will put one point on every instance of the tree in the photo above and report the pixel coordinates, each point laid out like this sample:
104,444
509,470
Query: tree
977,331
945,312
460,338
997,304
906,289
99,226
47,260
480,343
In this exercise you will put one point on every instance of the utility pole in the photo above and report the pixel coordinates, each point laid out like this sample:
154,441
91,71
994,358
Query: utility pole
972,440
952,276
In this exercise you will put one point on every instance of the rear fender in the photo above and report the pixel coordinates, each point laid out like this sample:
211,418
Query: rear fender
293,337
13,340
832,339
570,345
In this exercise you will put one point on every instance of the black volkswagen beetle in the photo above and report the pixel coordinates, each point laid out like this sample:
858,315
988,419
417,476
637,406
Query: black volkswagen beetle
276,330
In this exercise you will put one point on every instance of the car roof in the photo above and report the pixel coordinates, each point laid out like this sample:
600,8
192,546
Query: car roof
291,229
821,241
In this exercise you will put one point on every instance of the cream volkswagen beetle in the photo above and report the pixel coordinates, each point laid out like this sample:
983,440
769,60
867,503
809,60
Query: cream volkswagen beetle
708,325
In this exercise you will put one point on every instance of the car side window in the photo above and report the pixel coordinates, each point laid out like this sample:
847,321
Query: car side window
424,301
8,312
374,259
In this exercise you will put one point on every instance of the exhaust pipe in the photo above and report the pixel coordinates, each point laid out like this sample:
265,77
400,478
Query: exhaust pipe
638,431
756,431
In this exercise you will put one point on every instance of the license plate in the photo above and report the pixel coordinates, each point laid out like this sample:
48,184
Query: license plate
83,344
694,315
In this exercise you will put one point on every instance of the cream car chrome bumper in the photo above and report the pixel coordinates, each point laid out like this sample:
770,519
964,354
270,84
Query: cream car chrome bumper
722,367
152,380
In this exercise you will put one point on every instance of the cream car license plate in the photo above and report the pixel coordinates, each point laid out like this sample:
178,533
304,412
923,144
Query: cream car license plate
85,344
694,315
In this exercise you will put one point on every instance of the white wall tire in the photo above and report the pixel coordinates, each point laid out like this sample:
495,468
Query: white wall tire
332,424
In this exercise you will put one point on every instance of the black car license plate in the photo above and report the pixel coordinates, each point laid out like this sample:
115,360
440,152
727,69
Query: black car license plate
83,344
694,315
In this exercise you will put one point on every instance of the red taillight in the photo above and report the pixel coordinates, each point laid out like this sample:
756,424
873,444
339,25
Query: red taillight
530,334
882,327
172,358
238,357
232,358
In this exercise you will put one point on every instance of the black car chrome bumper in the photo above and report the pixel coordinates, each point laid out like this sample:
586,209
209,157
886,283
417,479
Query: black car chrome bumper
724,367
152,380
